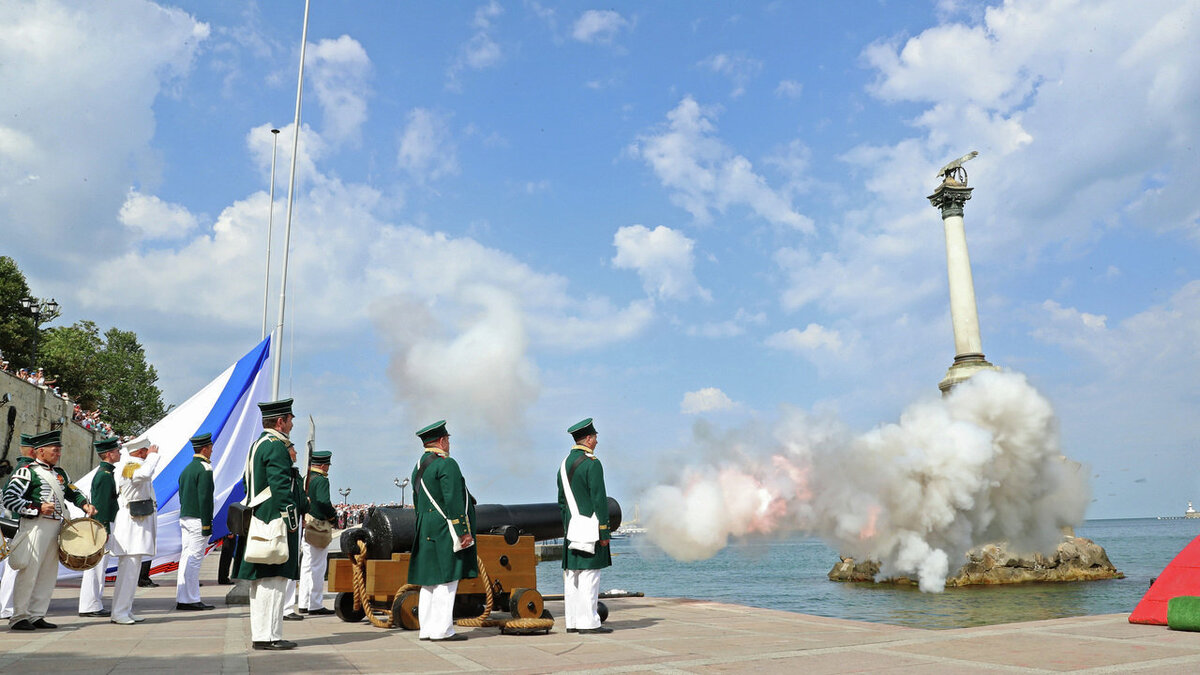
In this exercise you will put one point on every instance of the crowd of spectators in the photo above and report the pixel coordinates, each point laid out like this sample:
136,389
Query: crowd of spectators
88,419
353,515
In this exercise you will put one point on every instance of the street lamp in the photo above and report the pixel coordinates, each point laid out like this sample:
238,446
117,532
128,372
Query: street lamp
39,309
344,492
401,484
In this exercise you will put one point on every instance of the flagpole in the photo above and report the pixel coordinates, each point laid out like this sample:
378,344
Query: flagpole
287,236
270,227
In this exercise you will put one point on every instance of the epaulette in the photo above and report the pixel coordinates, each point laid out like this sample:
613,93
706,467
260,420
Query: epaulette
130,469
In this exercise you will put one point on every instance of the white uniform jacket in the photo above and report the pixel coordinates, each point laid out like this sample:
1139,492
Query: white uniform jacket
135,481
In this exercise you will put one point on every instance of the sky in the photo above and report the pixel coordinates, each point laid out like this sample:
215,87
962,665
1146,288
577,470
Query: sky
681,219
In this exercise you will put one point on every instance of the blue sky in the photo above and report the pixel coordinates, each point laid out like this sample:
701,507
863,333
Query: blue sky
672,217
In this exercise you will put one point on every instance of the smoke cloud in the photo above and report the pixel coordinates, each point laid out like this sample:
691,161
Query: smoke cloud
979,466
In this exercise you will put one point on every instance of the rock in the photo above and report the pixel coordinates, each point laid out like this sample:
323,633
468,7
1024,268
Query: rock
1075,559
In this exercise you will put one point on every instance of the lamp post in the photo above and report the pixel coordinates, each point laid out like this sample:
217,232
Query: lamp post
39,309
401,484
344,492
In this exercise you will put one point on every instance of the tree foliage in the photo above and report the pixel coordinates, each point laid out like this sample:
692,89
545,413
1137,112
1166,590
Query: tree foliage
106,371
16,324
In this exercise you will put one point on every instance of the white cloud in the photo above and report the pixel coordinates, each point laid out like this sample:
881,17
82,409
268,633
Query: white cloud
704,175
597,26
728,328
340,70
739,68
814,337
481,51
152,218
789,89
662,258
427,150
709,399
60,67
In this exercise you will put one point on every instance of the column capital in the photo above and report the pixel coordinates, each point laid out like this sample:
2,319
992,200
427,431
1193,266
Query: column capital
950,197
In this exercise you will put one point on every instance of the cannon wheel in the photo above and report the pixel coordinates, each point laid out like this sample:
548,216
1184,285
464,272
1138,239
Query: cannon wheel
343,607
525,603
404,610
602,610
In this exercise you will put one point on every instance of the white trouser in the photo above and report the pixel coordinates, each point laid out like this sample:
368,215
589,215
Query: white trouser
187,579
35,584
435,610
7,584
91,588
266,609
129,568
289,596
312,576
581,590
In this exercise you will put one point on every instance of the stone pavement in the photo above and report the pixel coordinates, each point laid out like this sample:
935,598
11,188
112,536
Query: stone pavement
650,635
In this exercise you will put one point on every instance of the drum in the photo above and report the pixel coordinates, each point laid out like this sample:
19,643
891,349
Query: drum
81,544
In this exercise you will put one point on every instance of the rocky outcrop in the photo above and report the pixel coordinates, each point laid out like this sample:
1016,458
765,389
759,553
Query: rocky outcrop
1075,559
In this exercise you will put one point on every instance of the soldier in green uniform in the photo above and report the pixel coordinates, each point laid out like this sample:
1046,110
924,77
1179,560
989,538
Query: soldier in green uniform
270,488
195,522
316,558
8,573
581,570
443,550
38,493
104,498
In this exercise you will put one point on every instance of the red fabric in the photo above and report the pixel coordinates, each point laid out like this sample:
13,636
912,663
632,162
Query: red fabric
1181,577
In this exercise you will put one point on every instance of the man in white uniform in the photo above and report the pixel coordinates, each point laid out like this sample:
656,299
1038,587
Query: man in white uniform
135,527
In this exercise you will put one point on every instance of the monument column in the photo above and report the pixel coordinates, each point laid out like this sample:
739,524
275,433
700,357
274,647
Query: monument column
968,346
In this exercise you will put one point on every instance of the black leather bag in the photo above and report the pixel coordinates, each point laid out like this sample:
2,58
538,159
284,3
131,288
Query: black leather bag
237,519
141,508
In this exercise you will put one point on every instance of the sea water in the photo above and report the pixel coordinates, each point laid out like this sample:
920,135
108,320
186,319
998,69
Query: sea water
790,574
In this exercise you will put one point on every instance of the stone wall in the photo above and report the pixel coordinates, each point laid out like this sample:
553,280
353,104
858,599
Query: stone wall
33,409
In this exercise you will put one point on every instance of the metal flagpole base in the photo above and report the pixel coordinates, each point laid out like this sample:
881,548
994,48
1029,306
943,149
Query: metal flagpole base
239,594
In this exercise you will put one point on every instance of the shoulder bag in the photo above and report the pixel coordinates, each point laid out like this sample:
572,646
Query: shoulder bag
266,542
582,532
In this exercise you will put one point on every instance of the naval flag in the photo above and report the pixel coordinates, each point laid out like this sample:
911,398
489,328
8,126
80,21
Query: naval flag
227,408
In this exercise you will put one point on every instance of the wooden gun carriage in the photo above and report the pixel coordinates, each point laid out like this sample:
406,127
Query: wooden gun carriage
505,536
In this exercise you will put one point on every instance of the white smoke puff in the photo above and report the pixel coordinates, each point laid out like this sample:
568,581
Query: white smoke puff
467,362
978,466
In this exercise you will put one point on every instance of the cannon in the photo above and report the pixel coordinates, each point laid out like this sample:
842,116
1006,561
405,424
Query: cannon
505,535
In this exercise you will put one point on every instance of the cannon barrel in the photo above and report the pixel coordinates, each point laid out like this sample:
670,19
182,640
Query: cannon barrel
389,530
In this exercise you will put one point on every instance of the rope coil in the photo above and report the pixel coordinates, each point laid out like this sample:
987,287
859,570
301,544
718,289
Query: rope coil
385,618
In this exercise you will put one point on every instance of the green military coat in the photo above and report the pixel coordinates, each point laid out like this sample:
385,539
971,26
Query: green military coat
433,558
272,467
587,484
196,492
320,506
104,495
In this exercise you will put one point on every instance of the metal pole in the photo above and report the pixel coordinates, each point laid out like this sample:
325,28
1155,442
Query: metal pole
270,227
287,236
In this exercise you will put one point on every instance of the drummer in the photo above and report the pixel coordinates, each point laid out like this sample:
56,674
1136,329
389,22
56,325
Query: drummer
37,493
8,574
104,498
